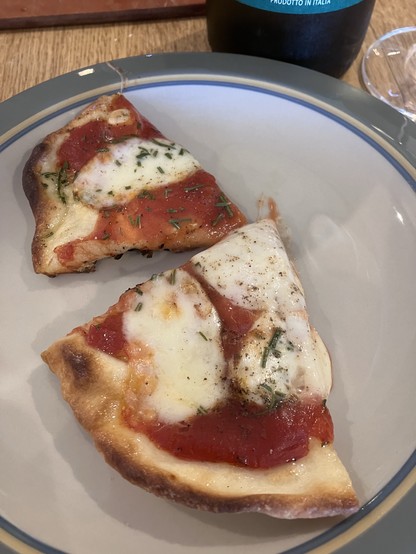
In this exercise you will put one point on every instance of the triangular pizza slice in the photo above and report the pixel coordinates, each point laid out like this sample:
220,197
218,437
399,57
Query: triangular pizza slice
109,181
208,385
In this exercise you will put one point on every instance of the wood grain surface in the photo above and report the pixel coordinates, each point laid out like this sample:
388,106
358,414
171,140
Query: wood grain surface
41,13
30,56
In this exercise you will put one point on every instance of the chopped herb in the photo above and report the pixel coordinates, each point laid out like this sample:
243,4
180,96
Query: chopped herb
217,219
201,410
182,151
62,181
45,185
172,277
117,162
224,203
273,398
202,335
271,346
103,149
176,222
138,290
105,236
144,152
168,146
160,169
146,194
197,264
138,307
168,155
128,187
49,174
135,222
48,235
167,191
110,193
194,187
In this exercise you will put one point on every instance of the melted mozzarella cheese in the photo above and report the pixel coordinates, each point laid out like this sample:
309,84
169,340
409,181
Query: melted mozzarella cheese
180,328
251,268
75,221
121,171
282,354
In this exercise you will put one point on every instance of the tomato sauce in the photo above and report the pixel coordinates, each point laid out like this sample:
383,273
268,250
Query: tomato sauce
236,321
244,435
85,140
163,216
107,335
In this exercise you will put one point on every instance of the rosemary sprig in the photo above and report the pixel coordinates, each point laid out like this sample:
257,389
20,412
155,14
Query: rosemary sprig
164,145
271,346
194,187
136,222
224,203
177,222
146,194
273,398
62,181
217,219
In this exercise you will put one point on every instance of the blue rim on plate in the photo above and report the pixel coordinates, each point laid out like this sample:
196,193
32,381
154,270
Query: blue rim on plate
391,133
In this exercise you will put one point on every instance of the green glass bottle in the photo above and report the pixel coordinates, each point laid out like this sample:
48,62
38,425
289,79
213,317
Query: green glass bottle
325,35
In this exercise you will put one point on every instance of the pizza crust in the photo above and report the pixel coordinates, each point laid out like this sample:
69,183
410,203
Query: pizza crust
52,221
93,383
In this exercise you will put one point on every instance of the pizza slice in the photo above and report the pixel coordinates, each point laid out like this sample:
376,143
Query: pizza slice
208,385
109,182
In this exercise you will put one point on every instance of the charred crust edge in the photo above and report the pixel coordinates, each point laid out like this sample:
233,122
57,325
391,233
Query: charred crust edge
29,179
170,487
79,364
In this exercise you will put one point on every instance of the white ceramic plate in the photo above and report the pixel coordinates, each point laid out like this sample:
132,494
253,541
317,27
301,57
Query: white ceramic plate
340,165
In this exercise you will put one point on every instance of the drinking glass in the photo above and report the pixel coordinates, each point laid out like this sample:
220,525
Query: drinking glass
389,70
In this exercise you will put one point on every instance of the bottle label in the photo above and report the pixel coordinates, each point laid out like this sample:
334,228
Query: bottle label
300,6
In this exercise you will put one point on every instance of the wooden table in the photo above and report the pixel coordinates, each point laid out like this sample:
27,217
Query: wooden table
30,56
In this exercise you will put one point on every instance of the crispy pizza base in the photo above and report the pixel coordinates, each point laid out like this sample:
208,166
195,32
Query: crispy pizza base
93,383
